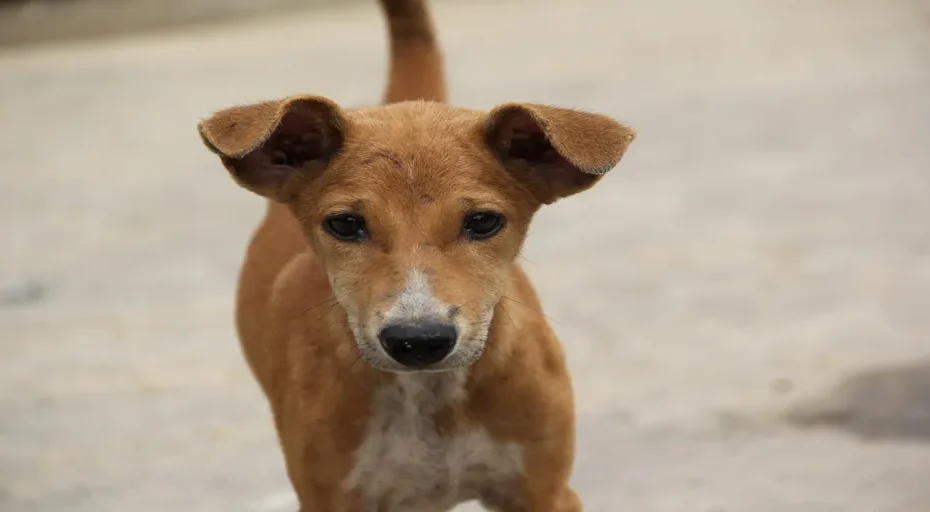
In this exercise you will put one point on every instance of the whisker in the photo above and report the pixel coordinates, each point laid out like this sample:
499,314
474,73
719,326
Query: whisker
331,299
524,258
358,359
513,324
531,308
325,313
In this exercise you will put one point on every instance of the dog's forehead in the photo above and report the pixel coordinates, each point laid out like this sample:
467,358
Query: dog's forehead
412,114
415,130
416,150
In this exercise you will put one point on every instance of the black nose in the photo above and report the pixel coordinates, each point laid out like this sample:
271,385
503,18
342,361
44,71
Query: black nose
418,344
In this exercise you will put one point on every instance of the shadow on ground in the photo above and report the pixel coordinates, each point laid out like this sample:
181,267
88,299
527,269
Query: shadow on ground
884,404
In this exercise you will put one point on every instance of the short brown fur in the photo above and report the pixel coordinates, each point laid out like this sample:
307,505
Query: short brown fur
308,304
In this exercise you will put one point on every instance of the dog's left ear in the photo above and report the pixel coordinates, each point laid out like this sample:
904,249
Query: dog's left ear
555,152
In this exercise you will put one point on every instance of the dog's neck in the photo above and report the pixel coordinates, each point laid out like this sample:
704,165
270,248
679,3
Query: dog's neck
423,393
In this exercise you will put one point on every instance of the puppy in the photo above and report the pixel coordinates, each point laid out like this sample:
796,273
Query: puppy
380,307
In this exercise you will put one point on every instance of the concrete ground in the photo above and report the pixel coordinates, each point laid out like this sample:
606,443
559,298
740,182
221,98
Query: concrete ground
38,21
745,302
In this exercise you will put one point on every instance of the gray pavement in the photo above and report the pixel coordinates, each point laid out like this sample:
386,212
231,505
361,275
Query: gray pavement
744,302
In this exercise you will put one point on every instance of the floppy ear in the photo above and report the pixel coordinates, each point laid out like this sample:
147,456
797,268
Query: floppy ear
268,147
555,152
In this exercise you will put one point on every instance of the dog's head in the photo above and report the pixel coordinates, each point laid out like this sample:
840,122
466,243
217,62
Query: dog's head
415,210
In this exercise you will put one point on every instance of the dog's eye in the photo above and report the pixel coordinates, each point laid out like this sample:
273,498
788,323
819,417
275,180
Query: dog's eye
479,226
346,227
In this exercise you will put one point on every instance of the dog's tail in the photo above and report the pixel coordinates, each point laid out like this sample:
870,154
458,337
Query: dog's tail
416,70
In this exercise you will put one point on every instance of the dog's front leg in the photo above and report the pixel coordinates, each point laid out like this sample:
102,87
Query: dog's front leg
562,500
542,488
316,464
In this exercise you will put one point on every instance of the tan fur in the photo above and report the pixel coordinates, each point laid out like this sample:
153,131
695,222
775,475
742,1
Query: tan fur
497,422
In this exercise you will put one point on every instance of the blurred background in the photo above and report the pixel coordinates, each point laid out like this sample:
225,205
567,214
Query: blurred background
745,301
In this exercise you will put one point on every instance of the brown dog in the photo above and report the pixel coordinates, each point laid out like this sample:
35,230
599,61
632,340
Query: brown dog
372,302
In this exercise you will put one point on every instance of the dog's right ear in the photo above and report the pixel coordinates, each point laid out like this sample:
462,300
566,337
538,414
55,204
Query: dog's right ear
269,147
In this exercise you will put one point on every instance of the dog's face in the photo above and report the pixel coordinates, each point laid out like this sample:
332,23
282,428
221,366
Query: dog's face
415,210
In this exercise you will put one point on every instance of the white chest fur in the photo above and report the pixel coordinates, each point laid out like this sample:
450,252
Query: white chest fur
406,465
